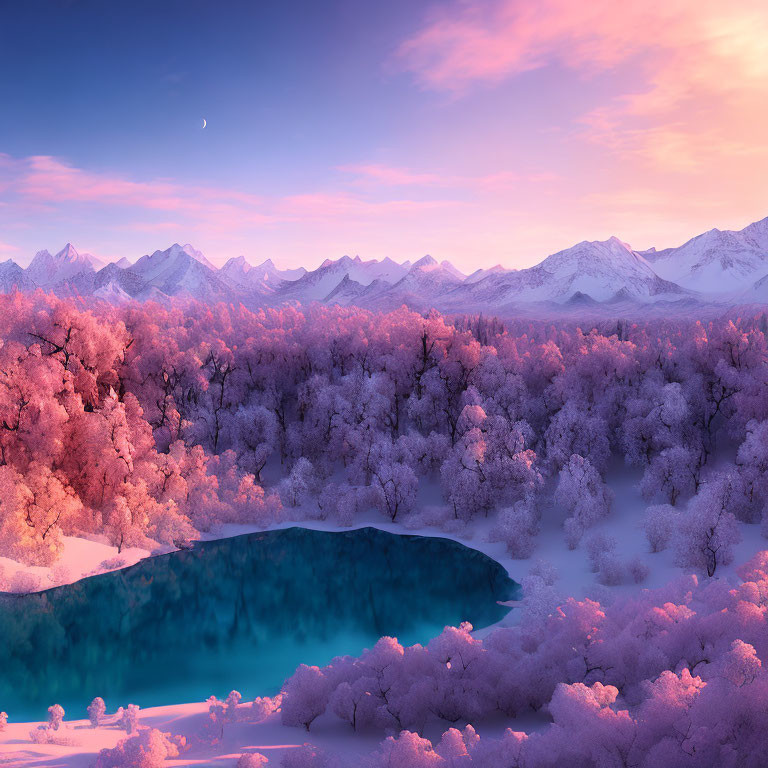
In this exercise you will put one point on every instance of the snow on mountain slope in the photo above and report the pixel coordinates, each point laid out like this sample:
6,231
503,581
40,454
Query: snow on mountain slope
430,277
49,271
365,272
112,293
716,269
127,281
479,274
598,269
268,267
421,288
94,261
263,278
13,277
242,276
756,293
350,292
450,268
182,271
718,261
316,285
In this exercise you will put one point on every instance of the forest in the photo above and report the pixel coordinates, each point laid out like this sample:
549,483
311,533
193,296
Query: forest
152,424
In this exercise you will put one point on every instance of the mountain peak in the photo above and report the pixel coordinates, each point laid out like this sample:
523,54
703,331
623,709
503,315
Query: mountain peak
237,263
613,240
450,268
176,251
425,261
68,252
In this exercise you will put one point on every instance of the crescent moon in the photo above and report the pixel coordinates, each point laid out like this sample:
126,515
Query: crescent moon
204,123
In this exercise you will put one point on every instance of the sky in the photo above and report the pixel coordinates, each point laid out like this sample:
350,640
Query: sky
479,131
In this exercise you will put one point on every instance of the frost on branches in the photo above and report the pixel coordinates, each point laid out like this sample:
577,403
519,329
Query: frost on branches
149,424
673,678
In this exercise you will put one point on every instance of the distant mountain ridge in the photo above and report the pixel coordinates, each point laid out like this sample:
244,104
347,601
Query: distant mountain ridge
717,268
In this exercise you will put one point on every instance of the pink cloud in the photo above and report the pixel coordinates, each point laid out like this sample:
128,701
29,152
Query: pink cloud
467,42
702,66
44,182
44,179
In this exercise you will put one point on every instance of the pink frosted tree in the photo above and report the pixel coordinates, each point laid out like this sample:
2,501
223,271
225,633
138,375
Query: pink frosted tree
584,495
669,475
395,486
306,696
129,719
408,750
55,717
517,527
295,488
659,523
96,711
251,760
708,531
150,748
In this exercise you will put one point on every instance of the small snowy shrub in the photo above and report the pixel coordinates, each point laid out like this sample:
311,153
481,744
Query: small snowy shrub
295,488
263,706
540,599
659,525
23,583
55,716
148,749
638,570
305,756
573,531
439,516
598,546
215,724
546,571
128,718
582,492
517,527
611,570
43,734
342,502
60,574
96,710
252,760
230,706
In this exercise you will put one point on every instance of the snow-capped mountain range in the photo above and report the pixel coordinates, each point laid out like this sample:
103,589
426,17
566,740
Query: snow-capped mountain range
717,268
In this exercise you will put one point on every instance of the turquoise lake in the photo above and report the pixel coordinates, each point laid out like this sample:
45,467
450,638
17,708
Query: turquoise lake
235,613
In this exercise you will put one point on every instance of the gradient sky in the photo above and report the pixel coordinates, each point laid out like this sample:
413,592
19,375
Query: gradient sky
480,131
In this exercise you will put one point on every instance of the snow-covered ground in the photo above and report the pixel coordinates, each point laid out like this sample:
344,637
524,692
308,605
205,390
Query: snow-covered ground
85,557
80,743
79,558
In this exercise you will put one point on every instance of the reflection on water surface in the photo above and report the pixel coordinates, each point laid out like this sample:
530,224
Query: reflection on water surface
235,613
